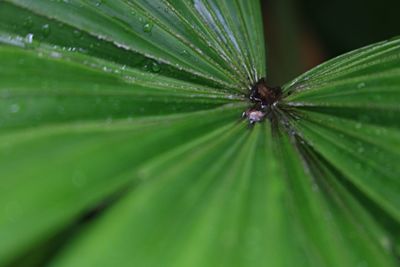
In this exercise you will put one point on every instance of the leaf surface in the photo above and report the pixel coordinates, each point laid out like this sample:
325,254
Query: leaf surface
121,142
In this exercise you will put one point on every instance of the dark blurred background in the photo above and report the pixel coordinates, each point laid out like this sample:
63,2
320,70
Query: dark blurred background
303,33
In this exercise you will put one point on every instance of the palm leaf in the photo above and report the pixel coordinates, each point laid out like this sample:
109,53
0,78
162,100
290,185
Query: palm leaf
121,142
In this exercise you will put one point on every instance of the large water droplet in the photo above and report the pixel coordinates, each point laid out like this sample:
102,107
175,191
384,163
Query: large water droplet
155,67
151,66
29,38
148,27
29,41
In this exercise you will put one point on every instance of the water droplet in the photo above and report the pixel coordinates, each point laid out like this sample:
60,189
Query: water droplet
155,67
151,66
386,243
148,27
29,38
77,34
82,50
106,69
45,30
29,41
360,85
14,108
358,125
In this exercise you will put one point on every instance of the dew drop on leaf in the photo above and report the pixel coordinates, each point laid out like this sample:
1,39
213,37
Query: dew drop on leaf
151,66
386,243
360,85
14,108
148,27
106,69
29,38
155,67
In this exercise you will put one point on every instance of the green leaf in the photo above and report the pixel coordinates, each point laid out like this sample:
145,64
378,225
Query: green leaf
96,159
158,31
58,86
350,115
121,142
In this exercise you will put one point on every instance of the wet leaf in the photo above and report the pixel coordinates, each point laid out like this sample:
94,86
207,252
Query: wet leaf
121,142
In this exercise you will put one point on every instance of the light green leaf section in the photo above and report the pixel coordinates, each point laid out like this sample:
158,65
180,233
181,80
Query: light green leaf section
156,30
56,86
